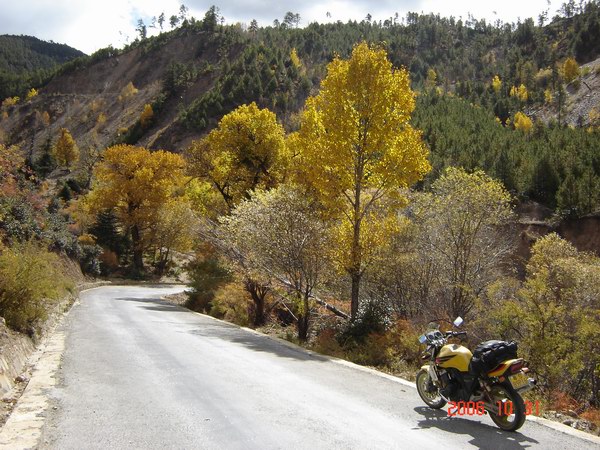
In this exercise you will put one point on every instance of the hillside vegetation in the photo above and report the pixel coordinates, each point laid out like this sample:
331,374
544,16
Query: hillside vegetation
194,74
26,62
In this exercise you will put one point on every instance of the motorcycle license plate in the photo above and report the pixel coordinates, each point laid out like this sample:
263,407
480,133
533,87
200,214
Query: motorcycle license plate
519,380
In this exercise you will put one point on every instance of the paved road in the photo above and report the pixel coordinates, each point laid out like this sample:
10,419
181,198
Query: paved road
140,373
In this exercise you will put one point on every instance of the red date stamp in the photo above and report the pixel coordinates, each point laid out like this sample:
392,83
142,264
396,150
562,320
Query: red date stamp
505,408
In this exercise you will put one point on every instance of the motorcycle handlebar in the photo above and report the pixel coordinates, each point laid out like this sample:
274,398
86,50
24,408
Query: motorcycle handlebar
456,333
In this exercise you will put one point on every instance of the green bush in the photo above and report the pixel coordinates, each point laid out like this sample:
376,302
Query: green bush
206,275
554,314
89,260
397,346
30,280
373,318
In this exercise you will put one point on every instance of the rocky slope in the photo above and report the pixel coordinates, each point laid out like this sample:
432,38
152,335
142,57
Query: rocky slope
582,103
92,104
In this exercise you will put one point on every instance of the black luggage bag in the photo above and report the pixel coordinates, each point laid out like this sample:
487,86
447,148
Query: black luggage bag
490,354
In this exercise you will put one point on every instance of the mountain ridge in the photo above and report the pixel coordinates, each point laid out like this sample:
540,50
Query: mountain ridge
26,62
193,75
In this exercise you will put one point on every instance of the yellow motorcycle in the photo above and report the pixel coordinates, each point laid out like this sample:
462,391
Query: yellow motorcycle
488,381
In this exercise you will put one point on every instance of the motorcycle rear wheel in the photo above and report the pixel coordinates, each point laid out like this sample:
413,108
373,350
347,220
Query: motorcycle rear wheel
432,399
505,393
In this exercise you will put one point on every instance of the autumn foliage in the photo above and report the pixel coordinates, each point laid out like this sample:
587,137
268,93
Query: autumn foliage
135,183
147,116
356,145
245,152
522,122
66,151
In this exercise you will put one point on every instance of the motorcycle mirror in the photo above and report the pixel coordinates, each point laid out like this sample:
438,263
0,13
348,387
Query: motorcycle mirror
458,321
422,339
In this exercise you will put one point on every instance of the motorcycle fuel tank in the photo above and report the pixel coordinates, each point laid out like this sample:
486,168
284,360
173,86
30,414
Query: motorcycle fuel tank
454,355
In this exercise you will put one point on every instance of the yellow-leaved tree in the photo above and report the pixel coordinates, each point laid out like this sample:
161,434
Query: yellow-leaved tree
295,59
65,150
136,184
519,92
356,147
146,116
31,93
496,84
431,80
174,231
245,152
522,122
570,70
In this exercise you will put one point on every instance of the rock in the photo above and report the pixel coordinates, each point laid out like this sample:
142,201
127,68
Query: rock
8,399
22,379
572,413
569,422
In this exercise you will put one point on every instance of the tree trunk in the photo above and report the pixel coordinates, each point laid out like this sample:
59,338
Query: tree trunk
354,294
303,327
136,240
304,318
356,254
355,272
258,293
163,260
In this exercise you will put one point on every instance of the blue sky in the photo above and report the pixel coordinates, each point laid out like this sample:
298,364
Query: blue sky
91,24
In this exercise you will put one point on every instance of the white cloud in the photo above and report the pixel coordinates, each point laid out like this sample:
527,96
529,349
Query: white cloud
86,25
92,24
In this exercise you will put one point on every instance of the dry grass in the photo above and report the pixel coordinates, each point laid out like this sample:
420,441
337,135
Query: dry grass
593,415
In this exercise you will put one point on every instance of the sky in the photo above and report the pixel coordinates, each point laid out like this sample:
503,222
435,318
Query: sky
89,25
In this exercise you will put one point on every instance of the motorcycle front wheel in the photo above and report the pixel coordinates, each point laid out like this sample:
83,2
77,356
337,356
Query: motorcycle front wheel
511,408
428,392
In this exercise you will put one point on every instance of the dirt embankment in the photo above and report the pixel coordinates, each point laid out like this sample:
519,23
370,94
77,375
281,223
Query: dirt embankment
536,221
17,350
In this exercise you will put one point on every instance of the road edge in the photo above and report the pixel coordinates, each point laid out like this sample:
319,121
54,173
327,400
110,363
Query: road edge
564,429
24,427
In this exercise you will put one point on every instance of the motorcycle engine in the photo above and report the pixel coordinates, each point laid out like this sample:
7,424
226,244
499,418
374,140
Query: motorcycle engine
451,388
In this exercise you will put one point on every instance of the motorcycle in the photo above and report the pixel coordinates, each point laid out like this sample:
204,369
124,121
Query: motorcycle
488,381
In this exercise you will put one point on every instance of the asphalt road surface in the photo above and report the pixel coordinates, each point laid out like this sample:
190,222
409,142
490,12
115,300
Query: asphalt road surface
139,373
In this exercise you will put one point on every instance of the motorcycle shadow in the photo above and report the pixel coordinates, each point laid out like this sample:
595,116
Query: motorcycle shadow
484,436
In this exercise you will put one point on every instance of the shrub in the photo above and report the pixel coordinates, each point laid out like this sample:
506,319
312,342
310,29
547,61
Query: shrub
207,275
146,117
231,303
30,279
593,415
128,91
396,346
31,93
373,351
327,343
109,262
554,315
89,259
373,318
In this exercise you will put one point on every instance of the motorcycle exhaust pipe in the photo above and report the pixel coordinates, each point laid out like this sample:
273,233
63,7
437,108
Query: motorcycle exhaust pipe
531,382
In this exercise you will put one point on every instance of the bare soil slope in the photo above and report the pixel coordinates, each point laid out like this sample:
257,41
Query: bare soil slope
89,102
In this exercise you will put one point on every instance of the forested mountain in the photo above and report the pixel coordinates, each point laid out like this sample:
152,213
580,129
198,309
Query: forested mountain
26,61
494,96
